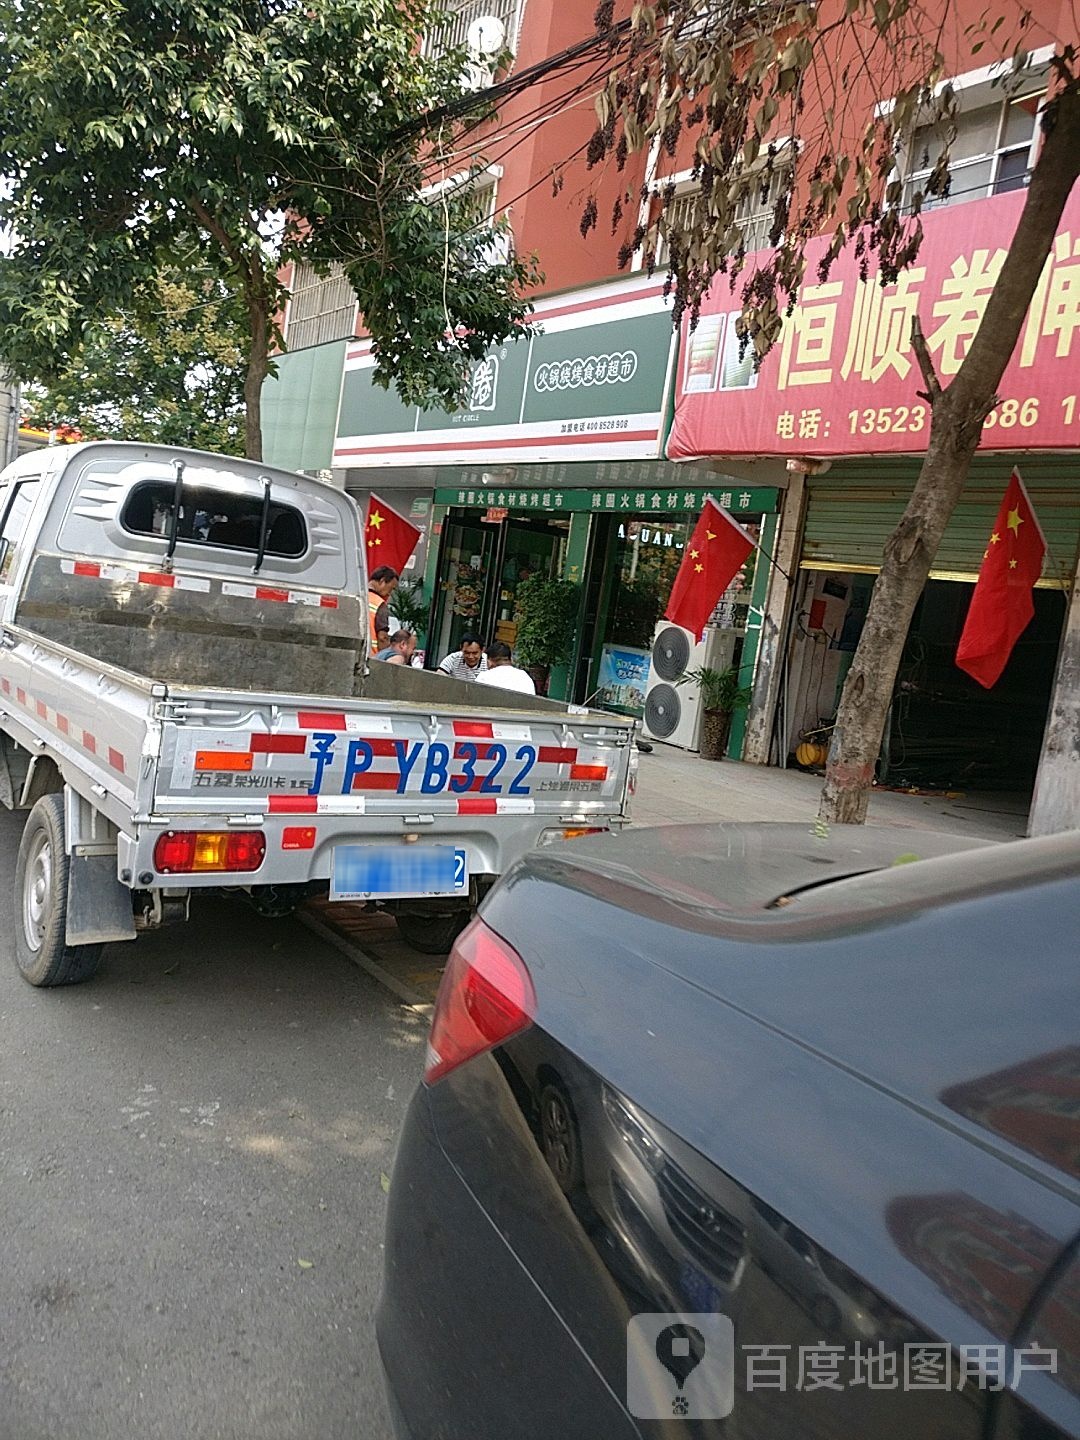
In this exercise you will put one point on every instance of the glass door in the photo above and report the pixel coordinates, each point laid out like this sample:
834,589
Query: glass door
466,565
529,547
480,568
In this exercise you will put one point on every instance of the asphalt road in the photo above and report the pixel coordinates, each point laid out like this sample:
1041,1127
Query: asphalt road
176,1137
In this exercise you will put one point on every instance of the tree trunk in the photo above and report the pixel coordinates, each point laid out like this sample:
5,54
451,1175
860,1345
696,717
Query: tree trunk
257,371
258,293
957,415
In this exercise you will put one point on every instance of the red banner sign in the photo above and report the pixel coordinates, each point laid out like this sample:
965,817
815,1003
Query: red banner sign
843,380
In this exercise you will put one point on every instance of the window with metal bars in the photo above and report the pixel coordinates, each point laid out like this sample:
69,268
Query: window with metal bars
480,191
454,34
321,307
756,211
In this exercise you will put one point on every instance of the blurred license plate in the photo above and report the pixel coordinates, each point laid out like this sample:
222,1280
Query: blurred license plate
391,872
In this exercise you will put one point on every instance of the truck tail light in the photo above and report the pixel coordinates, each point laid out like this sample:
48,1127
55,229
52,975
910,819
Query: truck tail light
193,852
486,997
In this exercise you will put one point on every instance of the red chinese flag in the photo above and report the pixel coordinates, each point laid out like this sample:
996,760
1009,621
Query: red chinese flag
713,556
1002,605
390,538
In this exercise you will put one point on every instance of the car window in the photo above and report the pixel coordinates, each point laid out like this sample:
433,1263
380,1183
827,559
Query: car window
16,513
215,517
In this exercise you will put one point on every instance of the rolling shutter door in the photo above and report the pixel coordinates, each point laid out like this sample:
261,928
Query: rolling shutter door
854,507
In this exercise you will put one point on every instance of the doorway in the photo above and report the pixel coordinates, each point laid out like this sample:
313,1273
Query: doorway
481,565
943,732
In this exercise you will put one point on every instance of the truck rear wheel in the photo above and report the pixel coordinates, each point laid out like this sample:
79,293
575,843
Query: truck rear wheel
41,887
431,934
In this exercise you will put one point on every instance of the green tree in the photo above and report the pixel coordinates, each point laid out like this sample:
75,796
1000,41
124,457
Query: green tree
731,83
169,368
134,131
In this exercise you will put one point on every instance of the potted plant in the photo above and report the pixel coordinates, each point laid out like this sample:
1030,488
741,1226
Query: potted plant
408,606
546,613
721,697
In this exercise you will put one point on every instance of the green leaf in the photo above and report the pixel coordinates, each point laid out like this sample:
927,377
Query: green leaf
145,135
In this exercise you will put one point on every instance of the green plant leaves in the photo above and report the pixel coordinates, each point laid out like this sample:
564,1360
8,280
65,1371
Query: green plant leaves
546,613
138,134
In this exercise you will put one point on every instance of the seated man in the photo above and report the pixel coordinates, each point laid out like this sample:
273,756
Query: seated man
399,649
503,673
466,663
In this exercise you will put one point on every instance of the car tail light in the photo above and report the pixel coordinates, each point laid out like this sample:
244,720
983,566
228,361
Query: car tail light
190,852
486,996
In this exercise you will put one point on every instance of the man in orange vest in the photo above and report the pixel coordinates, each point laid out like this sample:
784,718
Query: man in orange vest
381,585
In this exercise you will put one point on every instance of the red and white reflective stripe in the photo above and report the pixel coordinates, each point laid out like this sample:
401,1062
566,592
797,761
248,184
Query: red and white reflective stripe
321,720
478,805
316,805
556,755
279,744
287,743
66,726
511,732
279,595
101,570
489,730
96,571
494,805
515,806
473,729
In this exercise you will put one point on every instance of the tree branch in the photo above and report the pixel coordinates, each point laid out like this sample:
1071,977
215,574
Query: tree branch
926,364
221,235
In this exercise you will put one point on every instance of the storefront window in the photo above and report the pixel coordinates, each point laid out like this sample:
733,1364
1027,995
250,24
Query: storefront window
647,559
646,555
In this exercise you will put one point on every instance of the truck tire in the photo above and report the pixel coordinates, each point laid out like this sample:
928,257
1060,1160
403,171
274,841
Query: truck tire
41,881
431,934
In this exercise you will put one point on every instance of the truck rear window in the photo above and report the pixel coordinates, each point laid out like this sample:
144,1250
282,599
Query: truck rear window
215,517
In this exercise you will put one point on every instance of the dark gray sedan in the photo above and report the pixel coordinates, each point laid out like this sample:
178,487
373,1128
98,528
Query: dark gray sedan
749,1132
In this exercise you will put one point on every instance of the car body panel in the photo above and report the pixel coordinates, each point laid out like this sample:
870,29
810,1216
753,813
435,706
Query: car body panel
1043,1403
813,1123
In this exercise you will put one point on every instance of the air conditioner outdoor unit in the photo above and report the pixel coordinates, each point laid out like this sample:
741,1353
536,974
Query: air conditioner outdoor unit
673,711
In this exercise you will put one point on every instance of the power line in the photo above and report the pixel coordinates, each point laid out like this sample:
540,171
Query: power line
521,80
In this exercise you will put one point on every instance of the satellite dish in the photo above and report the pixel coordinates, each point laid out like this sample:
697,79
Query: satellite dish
486,37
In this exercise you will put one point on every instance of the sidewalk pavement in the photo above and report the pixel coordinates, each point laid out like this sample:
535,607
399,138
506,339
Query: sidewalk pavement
676,787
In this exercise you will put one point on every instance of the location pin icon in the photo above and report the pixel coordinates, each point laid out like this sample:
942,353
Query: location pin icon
680,1349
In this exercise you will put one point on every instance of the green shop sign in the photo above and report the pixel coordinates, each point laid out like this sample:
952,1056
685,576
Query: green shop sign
756,500
586,381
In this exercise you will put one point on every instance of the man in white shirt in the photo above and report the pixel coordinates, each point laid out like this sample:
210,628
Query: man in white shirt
503,673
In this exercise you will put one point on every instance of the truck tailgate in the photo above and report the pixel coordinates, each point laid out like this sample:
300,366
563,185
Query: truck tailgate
287,756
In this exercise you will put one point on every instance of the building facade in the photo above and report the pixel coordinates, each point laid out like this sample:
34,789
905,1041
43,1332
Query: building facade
555,466
561,463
